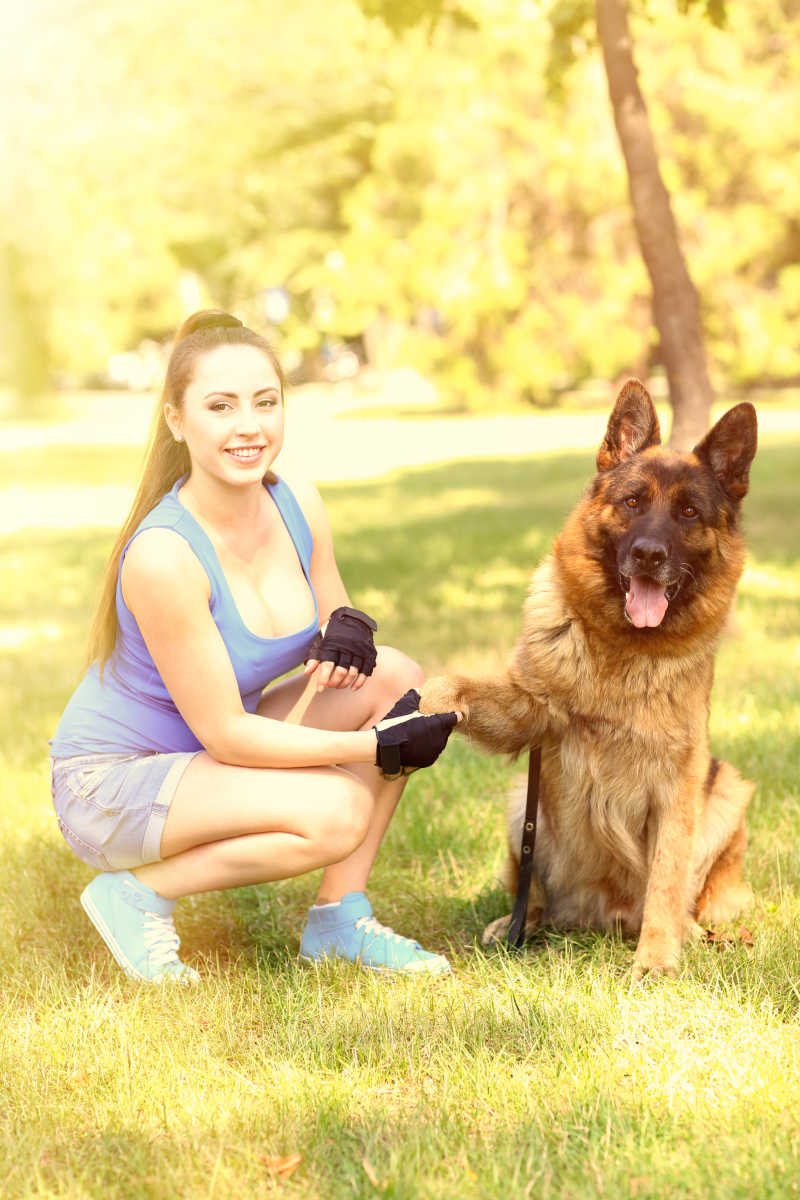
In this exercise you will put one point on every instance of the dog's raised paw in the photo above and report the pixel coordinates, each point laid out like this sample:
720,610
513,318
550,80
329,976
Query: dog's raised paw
440,695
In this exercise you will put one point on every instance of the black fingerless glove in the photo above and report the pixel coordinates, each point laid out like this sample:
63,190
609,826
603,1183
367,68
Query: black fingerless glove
406,704
414,743
347,641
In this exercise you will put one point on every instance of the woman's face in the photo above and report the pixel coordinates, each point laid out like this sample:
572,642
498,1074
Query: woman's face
232,414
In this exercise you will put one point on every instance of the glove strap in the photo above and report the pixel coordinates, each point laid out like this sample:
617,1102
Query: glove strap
388,758
359,616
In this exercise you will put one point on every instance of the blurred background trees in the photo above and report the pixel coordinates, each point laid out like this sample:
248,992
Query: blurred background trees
449,197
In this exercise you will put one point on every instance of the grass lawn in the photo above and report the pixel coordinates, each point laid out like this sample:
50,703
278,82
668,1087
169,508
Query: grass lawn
538,1075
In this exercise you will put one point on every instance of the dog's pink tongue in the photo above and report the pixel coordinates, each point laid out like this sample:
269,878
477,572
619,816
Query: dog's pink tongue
646,602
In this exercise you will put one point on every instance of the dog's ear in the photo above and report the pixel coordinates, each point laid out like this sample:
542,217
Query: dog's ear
632,426
729,448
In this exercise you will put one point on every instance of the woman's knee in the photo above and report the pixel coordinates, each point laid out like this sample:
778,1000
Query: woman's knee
341,823
397,672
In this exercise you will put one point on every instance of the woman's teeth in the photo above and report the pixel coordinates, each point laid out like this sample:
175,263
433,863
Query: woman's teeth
246,452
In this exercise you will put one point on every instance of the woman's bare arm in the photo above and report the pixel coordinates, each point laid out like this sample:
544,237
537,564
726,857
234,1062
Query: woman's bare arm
325,578
167,590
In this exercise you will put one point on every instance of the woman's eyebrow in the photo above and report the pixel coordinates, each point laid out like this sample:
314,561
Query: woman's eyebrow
235,395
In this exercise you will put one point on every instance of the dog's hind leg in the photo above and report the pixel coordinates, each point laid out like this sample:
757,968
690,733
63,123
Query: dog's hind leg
725,893
497,931
722,892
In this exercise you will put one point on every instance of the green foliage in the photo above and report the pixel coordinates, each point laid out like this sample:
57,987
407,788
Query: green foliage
402,15
572,28
716,11
457,199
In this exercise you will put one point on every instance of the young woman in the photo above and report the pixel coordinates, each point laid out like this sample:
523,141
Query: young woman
174,771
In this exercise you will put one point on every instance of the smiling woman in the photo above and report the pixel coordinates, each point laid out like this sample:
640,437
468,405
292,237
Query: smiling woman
176,768
167,458
245,425
231,418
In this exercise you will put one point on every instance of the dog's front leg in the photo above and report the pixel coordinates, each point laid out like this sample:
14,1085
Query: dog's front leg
497,712
666,899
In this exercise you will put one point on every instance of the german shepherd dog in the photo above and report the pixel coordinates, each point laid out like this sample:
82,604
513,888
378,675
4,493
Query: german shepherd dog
640,829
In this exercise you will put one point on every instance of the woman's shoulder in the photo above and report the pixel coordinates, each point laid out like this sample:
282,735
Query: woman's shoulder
299,484
307,497
159,556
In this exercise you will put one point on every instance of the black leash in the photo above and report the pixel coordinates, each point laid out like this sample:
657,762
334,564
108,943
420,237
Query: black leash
516,930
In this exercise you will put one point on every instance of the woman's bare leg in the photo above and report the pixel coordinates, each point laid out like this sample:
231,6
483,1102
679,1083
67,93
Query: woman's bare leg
232,825
297,699
229,826
341,924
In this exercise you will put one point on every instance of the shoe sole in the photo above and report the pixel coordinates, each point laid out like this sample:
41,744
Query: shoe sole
391,971
94,915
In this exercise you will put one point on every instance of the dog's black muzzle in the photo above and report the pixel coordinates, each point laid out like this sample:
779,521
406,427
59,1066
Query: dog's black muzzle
650,552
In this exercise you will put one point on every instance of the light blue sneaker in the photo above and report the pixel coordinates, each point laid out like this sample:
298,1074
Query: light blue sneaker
348,930
136,925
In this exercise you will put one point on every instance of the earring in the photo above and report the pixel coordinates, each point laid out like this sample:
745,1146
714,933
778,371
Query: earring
178,437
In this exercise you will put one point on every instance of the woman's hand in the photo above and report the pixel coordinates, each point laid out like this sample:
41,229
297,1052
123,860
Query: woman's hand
407,740
343,651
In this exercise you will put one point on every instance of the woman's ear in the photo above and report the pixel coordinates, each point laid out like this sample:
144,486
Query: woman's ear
172,418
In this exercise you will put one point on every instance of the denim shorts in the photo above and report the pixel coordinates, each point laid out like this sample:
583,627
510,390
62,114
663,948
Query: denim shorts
111,808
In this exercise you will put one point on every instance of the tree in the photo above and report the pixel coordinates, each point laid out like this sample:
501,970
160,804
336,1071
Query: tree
24,352
676,310
465,195
129,172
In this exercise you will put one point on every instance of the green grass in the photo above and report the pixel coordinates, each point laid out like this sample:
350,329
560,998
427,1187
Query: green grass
541,1075
72,466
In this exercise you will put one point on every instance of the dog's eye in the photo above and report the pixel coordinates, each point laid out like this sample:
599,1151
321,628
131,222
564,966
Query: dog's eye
631,502
689,511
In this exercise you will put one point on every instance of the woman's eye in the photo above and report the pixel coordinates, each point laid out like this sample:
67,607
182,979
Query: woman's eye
631,502
267,402
689,511
219,406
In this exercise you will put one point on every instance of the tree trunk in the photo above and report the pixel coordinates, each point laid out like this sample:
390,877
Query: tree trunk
24,351
676,309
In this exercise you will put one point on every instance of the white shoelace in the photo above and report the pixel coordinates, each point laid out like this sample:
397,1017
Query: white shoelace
370,925
161,939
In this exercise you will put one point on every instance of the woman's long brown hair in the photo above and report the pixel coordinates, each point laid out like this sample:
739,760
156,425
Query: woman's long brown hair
166,460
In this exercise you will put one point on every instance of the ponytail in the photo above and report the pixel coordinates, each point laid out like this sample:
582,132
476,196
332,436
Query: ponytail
165,460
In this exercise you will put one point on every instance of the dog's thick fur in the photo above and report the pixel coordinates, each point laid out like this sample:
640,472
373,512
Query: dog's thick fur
640,830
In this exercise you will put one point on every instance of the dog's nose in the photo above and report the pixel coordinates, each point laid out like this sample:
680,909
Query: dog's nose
649,554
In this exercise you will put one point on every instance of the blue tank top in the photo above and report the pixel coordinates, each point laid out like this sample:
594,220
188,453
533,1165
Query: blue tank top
130,709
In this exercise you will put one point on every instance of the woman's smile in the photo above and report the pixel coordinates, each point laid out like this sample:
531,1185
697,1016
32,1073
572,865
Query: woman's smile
246,454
